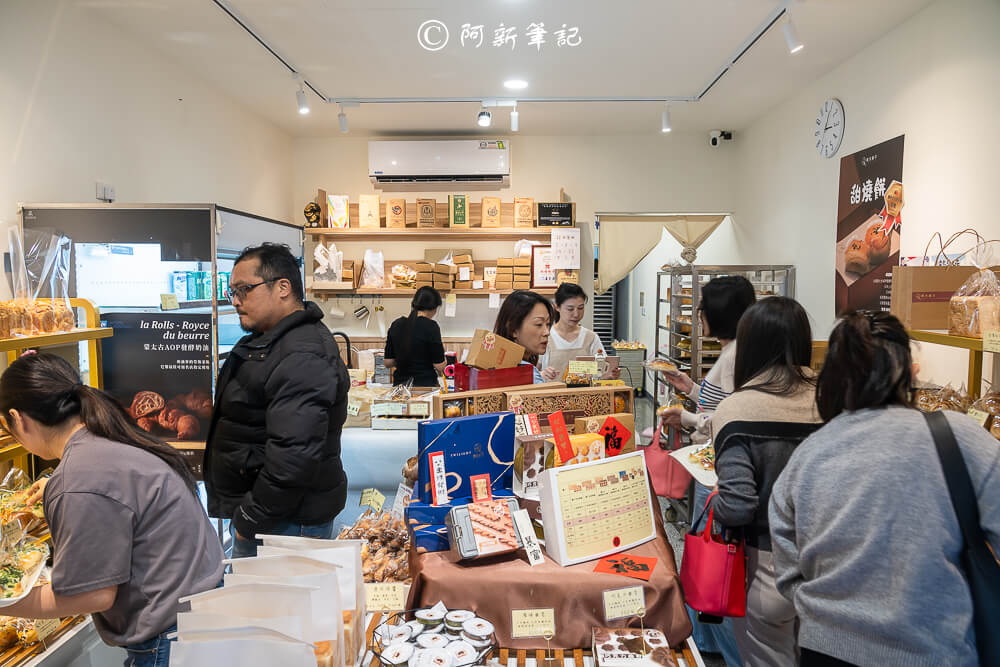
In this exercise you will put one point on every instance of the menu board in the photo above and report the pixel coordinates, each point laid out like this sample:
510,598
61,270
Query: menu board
594,509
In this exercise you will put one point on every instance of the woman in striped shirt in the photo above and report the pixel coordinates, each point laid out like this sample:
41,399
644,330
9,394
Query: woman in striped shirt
723,302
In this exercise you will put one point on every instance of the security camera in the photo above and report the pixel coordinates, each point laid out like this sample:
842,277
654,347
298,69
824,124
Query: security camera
715,137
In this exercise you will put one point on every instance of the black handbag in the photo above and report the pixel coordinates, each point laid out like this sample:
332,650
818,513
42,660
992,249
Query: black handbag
982,569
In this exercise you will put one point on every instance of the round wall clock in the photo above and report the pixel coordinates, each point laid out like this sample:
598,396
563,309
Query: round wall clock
829,127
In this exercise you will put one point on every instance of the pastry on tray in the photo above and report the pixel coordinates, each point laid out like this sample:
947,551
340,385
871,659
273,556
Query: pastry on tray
856,257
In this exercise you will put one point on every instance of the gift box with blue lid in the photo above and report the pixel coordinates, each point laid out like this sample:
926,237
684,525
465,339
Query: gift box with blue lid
470,446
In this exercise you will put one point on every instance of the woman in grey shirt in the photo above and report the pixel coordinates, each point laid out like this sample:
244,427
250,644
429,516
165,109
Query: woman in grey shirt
129,535
865,539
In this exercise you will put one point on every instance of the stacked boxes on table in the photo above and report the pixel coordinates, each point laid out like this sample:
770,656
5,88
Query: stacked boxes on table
453,455
505,274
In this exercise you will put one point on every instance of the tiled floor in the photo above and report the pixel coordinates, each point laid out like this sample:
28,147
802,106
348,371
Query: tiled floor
644,411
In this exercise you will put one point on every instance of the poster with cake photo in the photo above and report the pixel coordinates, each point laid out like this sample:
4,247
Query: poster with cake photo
869,223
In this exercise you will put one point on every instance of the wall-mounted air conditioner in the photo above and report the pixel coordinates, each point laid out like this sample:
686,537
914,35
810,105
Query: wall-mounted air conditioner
425,164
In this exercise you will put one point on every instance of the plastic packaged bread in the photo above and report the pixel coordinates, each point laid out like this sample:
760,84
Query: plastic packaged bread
975,307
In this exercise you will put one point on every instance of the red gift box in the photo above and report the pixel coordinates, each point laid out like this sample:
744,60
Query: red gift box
469,379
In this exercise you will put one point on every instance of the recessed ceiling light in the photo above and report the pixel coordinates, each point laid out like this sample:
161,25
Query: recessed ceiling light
515,84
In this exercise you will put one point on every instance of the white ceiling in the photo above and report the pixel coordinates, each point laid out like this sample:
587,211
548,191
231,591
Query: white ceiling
369,48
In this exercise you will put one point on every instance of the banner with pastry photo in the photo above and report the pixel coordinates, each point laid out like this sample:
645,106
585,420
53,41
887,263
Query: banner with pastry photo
869,220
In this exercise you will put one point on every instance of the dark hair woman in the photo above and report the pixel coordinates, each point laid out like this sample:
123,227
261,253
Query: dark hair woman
128,531
859,501
567,339
413,345
755,430
526,317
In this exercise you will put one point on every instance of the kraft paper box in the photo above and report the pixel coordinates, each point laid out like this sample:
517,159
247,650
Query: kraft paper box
488,350
615,442
337,211
491,212
524,262
463,284
426,213
427,538
469,446
445,269
369,211
425,277
458,211
586,447
921,295
464,258
588,401
521,285
424,267
524,212
480,401
418,512
505,261
434,255
395,213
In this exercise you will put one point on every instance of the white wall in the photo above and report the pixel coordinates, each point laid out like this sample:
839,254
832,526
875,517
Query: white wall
936,79
80,102
622,173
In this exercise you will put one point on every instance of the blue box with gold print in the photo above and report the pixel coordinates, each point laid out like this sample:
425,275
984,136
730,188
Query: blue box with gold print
476,445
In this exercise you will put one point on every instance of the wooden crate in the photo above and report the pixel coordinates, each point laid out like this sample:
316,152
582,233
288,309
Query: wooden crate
484,401
582,401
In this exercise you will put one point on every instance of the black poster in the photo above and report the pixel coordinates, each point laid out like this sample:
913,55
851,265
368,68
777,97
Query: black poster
159,366
868,226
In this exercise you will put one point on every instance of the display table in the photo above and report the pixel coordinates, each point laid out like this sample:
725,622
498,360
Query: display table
373,459
493,587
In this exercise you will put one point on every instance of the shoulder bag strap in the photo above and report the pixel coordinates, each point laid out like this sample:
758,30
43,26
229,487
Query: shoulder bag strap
956,475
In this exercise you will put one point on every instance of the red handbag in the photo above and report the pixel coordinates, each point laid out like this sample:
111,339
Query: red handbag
713,572
670,478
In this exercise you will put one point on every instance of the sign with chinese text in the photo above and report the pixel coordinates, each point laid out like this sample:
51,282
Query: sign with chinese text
372,498
615,435
532,623
869,223
522,521
624,603
391,596
627,565
159,366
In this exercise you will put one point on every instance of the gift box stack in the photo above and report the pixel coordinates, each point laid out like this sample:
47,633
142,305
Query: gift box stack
444,276
425,274
465,271
513,273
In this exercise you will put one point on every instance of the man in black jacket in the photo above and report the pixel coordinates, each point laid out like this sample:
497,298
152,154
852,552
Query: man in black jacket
272,462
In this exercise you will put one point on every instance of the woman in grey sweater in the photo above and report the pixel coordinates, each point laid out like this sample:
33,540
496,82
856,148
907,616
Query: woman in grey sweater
755,431
866,543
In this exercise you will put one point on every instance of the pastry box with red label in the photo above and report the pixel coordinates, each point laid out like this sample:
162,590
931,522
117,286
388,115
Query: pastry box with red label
453,451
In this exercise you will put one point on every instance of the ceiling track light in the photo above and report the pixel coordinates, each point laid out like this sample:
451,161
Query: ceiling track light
513,119
665,120
791,37
342,118
300,96
485,118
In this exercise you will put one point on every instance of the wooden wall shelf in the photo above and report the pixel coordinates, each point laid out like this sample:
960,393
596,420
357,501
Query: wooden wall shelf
404,292
431,233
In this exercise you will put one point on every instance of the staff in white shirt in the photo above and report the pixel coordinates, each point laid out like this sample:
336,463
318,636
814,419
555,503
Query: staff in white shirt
568,340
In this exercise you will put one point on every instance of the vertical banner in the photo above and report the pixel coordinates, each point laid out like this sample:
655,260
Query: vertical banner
159,366
869,204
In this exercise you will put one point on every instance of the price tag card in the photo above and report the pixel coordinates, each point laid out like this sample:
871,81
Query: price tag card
624,602
528,538
46,626
10,532
169,302
402,499
373,498
494,300
532,623
439,480
450,304
419,409
980,416
991,341
477,284
391,596
353,407
582,368
482,490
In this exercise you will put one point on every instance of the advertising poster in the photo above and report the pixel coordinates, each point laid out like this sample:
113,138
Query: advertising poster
159,366
870,201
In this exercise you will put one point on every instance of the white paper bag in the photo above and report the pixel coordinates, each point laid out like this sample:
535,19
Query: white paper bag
197,621
247,647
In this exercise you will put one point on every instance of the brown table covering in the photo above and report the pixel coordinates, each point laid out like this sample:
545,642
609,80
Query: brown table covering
491,588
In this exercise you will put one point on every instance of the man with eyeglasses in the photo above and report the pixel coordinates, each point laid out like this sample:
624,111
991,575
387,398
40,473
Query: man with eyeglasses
272,461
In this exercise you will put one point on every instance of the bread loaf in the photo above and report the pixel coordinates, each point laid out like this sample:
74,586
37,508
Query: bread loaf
972,315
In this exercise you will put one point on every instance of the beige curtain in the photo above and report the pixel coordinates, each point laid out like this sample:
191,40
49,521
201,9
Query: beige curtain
626,239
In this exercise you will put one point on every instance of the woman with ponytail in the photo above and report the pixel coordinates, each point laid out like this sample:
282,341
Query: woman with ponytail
864,536
129,535
413,346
